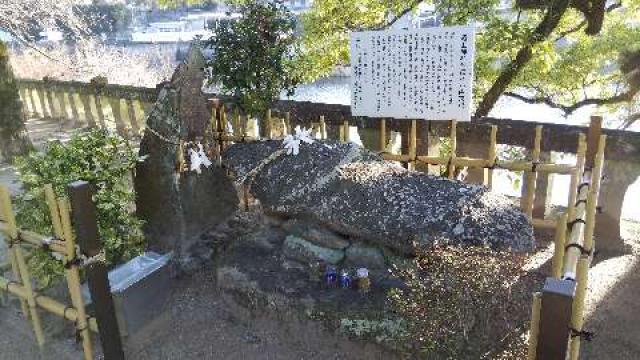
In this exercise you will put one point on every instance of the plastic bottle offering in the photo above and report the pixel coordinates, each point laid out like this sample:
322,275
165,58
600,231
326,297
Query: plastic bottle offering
345,279
331,276
364,283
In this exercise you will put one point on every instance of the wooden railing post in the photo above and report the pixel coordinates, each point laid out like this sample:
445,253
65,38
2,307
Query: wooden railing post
43,101
131,112
85,98
73,105
86,229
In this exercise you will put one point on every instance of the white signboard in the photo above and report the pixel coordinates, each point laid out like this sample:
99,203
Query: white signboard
415,74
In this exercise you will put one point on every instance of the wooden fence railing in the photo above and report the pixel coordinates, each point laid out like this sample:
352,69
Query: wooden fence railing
229,126
93,104
558,311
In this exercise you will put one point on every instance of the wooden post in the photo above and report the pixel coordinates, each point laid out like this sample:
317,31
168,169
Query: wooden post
5,198
131,112
454,144
86,230
100,111
117,116
63,105
19,263
287,121
493,153
346,131
555,319
43,102
269,125
323,128
74,108
23,98
534,327
383,135
52,107
413,140
85,98
526,202
32,101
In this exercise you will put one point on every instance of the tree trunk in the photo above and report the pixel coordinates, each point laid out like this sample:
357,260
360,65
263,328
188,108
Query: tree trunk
14,140
554,13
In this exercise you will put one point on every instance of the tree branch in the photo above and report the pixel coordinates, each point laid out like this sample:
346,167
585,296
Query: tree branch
554,13
626,96
398,16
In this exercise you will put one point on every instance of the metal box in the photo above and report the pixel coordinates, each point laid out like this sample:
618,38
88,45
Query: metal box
139,289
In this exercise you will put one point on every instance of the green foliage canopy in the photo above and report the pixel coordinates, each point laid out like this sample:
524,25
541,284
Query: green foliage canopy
254,56
550,52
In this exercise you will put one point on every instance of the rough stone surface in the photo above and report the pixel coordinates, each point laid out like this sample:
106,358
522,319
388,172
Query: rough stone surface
304,251
356,193
179,207
362,255
315,234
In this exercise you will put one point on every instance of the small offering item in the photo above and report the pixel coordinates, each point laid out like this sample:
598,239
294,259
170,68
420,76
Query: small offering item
331,276
345,279
364,283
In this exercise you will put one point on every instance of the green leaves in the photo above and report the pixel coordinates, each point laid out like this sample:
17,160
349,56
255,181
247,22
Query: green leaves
103,159
253,57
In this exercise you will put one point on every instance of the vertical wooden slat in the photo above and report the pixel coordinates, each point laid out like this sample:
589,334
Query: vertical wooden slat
582,277
116,108
23,98
52,108
85,98
323,128
32,101
100,111
383,135
287,121
413,141
534,327
269,125
23,270
488,174
43,102
5,215
73,105
526,202
346,130
131,113
454,144
59,94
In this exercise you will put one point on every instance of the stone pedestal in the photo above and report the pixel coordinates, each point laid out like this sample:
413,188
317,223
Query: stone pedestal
618,175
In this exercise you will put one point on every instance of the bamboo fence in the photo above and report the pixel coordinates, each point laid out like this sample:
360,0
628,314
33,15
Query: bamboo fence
63,243
532,168
574,239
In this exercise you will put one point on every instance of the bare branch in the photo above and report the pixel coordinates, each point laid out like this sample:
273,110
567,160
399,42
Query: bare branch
626,96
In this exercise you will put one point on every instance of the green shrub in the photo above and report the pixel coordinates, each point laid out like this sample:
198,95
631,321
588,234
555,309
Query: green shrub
459,302
105,160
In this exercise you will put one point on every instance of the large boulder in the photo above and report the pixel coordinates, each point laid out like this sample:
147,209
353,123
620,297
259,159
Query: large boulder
178,207
356,193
